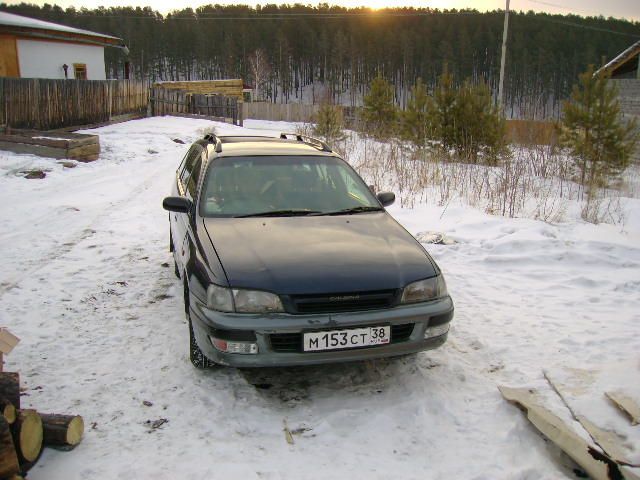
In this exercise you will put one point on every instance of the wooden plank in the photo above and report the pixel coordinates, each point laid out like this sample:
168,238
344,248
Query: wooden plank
626,404
34,141
83,151
596,464
9,66
617,444
39,150
56,140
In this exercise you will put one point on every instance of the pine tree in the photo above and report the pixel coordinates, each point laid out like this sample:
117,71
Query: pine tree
329,123
442,114
594,132
479,125
416,125
379,113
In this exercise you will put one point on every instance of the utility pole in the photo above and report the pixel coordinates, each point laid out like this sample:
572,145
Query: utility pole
504,54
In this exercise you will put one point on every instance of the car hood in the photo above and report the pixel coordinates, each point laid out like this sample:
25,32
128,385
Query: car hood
318,254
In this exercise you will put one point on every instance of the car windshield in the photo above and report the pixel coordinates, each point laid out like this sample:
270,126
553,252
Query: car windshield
283,186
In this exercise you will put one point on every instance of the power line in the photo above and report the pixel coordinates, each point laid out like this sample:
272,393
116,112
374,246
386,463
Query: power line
281,16
549,4
586,27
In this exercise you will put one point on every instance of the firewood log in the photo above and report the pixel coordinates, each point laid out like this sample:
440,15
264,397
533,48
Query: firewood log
10,387
27,435
8,410
62,430
8,457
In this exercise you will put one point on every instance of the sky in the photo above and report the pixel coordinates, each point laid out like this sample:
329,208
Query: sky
629,9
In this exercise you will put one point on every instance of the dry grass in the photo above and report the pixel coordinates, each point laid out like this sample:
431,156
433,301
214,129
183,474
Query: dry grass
533,182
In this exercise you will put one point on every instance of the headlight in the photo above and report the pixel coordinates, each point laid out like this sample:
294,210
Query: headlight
242,301
219,298
425,290
256,301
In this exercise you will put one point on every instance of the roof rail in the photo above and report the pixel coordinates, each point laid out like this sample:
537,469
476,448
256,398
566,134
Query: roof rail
308,140
211,138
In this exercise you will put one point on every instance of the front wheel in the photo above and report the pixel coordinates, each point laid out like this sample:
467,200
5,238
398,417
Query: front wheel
198,359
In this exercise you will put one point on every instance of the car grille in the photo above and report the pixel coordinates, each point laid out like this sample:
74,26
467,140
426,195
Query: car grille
292,342
342,302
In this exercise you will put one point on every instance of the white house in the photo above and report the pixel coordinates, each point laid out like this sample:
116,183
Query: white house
31,48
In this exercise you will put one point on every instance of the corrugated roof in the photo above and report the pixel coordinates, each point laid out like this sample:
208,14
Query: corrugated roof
621,59
18,21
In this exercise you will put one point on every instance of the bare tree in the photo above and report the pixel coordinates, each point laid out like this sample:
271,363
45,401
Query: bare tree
260,69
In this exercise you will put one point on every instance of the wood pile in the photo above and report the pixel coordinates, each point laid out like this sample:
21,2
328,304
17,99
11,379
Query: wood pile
24,432
229,88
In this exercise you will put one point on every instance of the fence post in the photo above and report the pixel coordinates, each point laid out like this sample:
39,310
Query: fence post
193,104
109,100
35,112
149,104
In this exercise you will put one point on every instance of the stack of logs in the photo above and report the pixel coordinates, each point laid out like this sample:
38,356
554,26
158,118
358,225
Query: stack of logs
23,433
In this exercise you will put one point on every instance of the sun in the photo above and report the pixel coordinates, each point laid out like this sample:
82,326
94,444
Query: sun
377,4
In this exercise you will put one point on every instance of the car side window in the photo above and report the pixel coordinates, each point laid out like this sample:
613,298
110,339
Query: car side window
192,182
194,154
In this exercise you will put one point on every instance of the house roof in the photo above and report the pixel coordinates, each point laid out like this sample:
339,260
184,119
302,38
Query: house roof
621,60
31,27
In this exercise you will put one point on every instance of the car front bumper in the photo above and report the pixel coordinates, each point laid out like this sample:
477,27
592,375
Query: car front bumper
259,328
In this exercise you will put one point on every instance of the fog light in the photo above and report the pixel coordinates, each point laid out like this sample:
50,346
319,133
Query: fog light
436,331
227,346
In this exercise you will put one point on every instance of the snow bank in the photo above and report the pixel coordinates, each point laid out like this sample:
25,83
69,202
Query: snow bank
87,283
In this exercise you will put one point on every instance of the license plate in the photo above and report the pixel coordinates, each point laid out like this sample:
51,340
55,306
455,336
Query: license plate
350,338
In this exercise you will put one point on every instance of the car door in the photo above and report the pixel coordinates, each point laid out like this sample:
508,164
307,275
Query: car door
181,221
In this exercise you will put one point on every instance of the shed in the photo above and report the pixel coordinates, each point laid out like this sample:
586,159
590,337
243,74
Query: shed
625,65
31,48
624,73
228,88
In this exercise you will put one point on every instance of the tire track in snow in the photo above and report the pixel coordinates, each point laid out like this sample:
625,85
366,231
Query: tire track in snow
31,267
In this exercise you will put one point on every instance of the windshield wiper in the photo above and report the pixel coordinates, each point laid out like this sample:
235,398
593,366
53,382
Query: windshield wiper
279,213
352,210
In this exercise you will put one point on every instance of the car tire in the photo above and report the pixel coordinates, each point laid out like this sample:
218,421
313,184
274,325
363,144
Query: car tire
196,355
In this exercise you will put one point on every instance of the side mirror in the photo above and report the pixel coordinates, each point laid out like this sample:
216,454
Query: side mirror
177,204
386,198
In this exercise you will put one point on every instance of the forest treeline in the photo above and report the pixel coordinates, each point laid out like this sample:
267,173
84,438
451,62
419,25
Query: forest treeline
314,54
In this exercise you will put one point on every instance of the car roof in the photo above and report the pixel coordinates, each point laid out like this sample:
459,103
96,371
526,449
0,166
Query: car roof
240,146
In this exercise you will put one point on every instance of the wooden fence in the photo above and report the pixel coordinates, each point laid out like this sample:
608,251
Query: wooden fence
287,112
293,112
531,132
44,104
179,102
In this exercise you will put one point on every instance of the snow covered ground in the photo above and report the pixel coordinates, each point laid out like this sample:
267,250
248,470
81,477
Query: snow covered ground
87,282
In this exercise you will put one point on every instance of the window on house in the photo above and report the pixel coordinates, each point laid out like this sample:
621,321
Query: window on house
80,71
